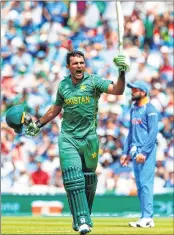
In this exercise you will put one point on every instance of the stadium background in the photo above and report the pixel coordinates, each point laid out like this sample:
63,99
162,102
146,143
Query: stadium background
35,38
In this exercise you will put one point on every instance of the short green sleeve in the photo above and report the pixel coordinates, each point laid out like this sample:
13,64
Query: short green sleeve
102,84
59,100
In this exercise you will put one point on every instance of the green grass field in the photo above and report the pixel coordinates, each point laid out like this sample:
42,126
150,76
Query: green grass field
62,225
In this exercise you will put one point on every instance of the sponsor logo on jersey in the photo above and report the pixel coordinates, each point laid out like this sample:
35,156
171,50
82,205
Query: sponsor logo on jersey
78,100
82,87
136,121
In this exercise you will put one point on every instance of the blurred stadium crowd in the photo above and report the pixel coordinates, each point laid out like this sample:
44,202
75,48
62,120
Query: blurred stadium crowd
35,38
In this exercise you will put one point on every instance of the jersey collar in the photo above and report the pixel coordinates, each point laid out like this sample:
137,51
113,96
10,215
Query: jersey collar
144,101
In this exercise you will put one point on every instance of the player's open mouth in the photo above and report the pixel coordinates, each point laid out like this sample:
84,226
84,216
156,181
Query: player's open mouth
79,73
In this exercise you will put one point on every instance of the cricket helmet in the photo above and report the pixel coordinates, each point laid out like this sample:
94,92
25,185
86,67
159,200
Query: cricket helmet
15,117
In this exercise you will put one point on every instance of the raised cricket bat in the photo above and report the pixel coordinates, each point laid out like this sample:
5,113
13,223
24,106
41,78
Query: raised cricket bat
120,20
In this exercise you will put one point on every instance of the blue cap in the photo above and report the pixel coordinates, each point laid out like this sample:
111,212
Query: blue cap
140,85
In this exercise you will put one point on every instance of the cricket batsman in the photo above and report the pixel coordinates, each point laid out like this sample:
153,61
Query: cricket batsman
141,147
78,95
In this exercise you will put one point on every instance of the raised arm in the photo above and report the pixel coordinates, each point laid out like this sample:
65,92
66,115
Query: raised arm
118,87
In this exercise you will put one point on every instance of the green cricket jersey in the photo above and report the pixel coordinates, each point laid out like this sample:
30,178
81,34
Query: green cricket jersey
80,104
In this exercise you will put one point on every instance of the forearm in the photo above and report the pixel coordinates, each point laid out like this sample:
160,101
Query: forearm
52,112
121,82
119,86
46,14
152,135
34,128
127,144
149,145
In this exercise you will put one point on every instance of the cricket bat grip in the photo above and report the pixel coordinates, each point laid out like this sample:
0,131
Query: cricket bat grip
120,49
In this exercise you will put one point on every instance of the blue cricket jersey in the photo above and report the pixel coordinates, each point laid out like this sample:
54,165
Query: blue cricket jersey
143,128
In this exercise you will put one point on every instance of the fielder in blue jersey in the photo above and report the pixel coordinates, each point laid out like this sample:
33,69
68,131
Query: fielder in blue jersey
141,147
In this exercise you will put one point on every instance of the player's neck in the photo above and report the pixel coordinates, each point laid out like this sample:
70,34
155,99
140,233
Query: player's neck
76,81
143,101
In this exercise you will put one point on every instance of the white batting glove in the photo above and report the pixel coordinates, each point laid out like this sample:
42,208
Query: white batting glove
32,129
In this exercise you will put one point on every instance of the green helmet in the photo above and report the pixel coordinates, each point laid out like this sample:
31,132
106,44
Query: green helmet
15,117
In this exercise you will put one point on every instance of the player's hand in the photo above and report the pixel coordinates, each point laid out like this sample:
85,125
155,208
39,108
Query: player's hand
140,158
32,129
122,62
124,160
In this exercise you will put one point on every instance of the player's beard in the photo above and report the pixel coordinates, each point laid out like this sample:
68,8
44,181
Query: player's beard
136,98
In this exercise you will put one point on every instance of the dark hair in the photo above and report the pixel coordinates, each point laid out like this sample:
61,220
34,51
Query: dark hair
73,54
